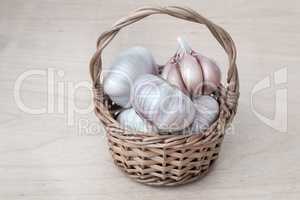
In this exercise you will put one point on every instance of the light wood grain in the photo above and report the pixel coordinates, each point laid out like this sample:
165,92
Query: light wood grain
42,157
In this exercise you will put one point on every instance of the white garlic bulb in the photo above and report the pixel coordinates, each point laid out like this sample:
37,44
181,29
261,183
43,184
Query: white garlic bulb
128,66
131,120
162,104
207,111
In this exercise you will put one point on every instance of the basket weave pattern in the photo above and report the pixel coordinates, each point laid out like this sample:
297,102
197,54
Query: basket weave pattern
165,159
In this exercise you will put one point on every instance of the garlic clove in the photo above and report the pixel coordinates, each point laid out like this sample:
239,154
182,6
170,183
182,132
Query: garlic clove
211,74
172,74
191,73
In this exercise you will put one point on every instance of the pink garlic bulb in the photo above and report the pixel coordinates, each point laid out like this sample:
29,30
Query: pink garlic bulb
191,72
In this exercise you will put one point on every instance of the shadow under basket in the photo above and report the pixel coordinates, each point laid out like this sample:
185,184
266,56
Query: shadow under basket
165,160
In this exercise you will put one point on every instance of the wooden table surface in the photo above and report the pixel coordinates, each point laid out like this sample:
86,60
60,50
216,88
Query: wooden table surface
60,151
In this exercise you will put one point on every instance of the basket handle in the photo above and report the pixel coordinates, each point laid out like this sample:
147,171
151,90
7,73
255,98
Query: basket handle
188,14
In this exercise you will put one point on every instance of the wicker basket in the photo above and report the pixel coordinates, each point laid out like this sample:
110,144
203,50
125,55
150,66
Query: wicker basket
165,159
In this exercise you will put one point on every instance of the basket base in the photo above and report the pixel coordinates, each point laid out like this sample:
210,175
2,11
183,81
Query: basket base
168,182
165,165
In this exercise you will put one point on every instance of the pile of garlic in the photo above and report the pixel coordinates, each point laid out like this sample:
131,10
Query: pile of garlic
178,99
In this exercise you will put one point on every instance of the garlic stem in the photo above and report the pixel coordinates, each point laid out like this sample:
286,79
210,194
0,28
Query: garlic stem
184,45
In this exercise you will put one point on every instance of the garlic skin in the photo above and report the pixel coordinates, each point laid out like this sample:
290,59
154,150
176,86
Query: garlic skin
127,67
131,120
193,73
207,111
162,104
211,73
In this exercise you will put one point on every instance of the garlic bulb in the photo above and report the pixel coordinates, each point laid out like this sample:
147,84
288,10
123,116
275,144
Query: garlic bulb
207,111
131,120
162,104
129,65
191,72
